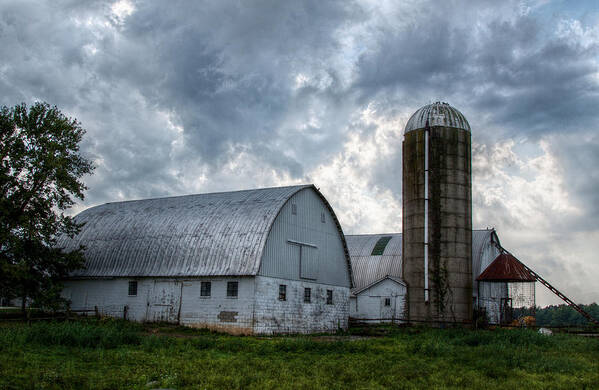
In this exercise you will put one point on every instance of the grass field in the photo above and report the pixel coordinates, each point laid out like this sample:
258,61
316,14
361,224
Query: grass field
109,354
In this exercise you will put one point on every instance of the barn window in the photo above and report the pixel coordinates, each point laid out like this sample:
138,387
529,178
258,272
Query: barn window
380,246
232,288
293,209
387,301
205,289
282,292
307,295
329,297
322,218
133,288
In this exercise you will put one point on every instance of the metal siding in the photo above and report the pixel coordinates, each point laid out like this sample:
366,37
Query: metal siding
483,251
281,258
194,235
310,262
506,268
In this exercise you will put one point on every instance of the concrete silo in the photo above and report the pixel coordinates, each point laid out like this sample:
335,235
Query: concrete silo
437,215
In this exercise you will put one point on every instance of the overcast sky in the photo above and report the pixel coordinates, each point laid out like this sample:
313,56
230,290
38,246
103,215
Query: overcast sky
190,97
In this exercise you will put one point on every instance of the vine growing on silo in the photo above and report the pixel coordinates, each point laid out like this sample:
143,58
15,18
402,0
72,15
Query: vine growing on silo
440,274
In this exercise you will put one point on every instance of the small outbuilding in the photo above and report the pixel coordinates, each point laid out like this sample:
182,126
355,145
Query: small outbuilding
517,285
263,261
379,293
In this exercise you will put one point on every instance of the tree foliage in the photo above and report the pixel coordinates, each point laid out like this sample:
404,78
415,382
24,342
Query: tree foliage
564,315
40,178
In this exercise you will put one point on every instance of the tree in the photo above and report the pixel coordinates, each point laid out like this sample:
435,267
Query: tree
40,178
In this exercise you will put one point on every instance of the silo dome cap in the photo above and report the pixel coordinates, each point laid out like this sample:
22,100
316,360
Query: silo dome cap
437,114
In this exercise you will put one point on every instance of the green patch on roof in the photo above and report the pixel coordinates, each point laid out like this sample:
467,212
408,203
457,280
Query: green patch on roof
380,246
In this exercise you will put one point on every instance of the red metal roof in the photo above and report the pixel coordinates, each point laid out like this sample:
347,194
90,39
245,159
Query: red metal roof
506,268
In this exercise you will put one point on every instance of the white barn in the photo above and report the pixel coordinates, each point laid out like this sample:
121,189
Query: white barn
379,292
259,261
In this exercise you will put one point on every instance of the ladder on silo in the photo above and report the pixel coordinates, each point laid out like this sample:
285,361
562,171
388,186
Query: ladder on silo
558,293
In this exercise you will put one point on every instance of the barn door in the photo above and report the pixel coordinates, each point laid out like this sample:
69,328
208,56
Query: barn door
400,302
164,302
308,262
507,312
387,306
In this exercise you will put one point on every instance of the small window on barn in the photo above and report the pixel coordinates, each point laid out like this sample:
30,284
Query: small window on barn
329,297
387,301
232,288
133,288
293,209
307,295
380,246
205,289
322,217
282,292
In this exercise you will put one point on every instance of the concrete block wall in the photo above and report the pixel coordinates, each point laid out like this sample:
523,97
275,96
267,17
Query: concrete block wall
219,312
272,315
168,300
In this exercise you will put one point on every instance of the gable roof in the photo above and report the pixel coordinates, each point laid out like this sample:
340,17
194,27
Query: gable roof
215,234
393,278
506,268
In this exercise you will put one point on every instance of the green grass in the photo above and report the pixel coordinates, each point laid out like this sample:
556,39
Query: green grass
110,354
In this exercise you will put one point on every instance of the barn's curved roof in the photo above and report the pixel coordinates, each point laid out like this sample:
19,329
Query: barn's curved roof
485,247
369,268
437,114
214,234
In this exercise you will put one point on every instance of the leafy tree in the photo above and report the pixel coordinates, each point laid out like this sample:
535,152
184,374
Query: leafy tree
564,315
40,176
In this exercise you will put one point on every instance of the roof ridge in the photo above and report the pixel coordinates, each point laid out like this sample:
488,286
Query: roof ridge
206,193
374,234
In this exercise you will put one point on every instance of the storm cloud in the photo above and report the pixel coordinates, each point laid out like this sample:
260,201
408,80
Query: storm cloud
191,97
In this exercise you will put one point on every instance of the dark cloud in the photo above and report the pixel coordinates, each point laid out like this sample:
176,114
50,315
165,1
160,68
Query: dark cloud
509,73
191,96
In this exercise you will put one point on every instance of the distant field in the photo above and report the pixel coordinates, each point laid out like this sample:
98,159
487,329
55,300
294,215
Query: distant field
110,354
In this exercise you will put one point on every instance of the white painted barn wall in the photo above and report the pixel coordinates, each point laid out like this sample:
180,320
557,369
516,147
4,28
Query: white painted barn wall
369,303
